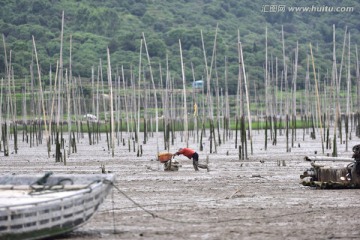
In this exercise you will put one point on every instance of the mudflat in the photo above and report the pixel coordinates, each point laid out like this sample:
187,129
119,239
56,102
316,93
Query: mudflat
257,198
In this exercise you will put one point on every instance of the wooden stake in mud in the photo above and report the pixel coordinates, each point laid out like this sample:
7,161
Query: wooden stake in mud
266,132
275,131
4,134
243,139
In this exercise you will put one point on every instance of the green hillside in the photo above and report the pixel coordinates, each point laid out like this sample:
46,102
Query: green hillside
96,25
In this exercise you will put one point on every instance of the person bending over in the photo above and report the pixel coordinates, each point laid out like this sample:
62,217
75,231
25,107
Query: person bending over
191,154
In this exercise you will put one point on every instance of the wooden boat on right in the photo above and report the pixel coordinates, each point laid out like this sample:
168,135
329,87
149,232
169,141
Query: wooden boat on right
333,172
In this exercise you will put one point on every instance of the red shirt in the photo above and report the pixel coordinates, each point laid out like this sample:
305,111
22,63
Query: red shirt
188,152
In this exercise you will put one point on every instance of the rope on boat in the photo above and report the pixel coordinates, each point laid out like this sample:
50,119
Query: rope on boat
40,187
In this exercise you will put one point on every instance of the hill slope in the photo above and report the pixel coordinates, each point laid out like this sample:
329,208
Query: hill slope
96,25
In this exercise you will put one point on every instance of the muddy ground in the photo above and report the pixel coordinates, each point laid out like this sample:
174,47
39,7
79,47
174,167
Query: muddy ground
251,199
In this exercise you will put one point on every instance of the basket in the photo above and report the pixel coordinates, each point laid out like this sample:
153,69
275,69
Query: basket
164,157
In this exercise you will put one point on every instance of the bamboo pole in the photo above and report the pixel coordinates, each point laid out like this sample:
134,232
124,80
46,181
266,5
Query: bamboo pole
155,94
208,71
53,91
133,107
125,101
239,96
3,134
227,107
111,105
139,101
41,91
357,77
247,99
184,96
348,99
285,83
68,96
266,74
337,108
68,82
294,94
342,58
195,106
318,99
217,92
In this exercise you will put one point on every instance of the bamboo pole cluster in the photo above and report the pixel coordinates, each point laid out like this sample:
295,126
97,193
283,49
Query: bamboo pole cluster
143,102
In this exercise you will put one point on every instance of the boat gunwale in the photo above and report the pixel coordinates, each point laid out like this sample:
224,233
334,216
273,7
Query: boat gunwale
89,188
96,190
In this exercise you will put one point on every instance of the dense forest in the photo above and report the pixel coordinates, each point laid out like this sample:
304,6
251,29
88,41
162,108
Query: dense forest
94,25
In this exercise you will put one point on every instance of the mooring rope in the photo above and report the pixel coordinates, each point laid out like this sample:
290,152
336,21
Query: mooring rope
131,200
207,222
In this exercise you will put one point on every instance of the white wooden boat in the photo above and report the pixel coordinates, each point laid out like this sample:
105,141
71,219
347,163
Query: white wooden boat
36,207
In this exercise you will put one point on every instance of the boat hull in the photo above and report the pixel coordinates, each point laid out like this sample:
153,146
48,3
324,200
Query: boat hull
48,213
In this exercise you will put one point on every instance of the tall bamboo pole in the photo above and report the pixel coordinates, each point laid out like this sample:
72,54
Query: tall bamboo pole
357,77
318,99
111,104
247,99
337,108
68,97
294,94
285,83
342,57
227,107
41,92
68,82
184,96
348,99
155,95
266,74
139,101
